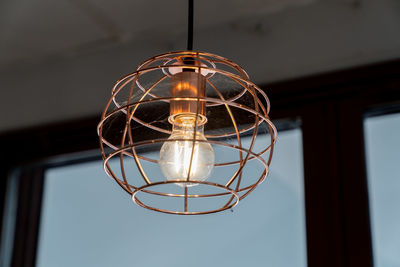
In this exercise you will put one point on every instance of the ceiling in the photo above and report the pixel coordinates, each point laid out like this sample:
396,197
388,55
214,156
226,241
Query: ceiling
59,59
33,31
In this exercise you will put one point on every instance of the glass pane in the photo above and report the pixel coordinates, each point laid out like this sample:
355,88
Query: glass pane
87,220
383,158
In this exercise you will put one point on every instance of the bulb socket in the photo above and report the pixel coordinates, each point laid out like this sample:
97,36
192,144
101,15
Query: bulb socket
188,84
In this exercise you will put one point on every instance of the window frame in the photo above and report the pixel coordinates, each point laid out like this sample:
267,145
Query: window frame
330,107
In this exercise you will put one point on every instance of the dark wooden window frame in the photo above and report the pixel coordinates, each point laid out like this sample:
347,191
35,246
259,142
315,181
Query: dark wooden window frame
330,107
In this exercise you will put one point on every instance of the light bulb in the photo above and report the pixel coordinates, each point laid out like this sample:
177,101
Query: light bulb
175,156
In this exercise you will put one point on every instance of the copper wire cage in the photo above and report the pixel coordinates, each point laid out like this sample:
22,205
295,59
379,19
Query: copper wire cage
137,121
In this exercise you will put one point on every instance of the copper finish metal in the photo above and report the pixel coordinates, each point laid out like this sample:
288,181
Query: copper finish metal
187,84
212,87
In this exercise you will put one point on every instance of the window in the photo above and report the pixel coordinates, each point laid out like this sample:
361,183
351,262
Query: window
382,140
331,110
87,220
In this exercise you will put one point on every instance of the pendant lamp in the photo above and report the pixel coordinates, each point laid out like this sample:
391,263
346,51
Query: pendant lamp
187,132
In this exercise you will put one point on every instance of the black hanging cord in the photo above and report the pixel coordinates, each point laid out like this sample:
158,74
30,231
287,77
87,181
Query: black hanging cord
190,26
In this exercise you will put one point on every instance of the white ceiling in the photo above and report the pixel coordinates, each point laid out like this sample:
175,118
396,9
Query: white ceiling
59,59
35,30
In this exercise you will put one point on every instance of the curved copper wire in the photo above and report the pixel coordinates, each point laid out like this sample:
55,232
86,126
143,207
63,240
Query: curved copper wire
263,118
238,79
147,142
129,108
185,212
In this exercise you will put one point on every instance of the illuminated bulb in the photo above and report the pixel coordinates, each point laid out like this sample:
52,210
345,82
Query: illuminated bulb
175,155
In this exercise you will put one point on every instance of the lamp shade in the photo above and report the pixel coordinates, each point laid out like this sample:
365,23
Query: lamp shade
187,133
